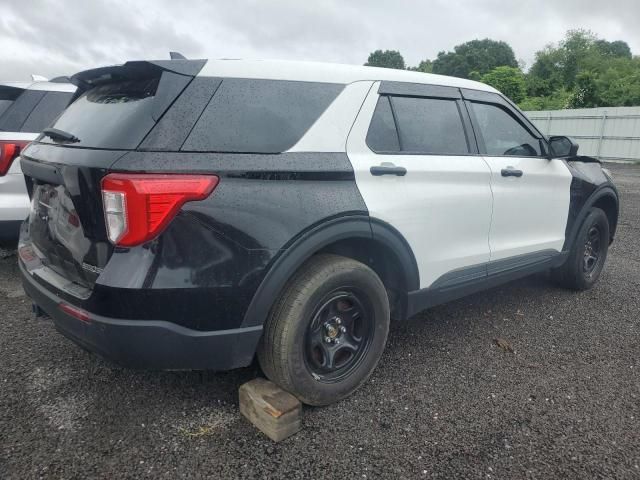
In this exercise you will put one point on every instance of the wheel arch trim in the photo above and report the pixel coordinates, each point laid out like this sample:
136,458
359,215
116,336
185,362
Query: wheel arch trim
602,192
314,239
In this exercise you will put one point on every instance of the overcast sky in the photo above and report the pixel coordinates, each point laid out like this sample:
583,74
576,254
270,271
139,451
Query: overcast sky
59,37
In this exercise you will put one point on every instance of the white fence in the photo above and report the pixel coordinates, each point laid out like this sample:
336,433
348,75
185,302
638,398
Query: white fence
606,133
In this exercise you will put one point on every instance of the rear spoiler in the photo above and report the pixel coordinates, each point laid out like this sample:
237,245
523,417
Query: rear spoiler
133,70
174,76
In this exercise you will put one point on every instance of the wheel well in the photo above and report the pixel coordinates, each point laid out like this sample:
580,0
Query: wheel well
610,207
382,260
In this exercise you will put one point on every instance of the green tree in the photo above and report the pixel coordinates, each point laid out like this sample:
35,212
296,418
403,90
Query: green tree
613,49
479,56
386,59
425,66
575,50
558,100
545,75
619,85
595,72
585,94
508,80
475,75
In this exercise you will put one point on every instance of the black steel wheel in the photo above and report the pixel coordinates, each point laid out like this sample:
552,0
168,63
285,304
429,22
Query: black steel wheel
587,255
339,335
326,333
592,250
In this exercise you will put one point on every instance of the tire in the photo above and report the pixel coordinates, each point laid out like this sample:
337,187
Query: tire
579,272
327,331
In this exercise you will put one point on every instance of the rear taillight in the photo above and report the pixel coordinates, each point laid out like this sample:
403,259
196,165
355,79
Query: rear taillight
9,151
137,207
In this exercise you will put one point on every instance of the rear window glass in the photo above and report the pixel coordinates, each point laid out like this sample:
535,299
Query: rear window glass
51,105
259,116
116,115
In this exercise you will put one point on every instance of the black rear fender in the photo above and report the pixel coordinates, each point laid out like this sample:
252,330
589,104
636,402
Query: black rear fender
338,235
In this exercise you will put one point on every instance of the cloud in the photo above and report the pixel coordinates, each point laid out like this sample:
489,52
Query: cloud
56,37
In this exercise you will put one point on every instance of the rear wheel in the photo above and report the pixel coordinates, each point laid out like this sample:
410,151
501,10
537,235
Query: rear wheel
327,331
588,254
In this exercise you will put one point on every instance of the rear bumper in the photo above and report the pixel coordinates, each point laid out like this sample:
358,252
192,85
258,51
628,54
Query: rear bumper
148,344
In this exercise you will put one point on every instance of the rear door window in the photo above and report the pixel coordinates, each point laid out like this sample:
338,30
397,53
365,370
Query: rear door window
51,105
259,116
430,126
417,125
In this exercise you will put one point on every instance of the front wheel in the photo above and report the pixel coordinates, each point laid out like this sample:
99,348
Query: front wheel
588,254
327,331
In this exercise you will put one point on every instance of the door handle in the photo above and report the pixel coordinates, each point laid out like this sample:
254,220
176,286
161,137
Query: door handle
511,172
387,168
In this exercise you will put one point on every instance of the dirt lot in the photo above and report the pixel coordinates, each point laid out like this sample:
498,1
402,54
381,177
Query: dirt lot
445,401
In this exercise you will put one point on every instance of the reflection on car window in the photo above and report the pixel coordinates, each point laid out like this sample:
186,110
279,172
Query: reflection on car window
113,115
502,134
382,135
430,126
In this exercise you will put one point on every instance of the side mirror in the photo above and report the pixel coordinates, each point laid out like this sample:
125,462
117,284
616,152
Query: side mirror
562,147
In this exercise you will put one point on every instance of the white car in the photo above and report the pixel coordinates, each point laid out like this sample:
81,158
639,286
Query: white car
26,108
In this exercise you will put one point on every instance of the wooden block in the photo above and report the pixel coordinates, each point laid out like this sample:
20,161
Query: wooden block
276,413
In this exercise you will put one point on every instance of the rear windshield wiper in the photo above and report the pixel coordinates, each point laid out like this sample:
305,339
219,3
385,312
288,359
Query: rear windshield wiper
60,135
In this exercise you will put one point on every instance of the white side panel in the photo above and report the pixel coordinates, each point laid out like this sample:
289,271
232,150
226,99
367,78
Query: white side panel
530,212
14,199
329,133
442,206
23,136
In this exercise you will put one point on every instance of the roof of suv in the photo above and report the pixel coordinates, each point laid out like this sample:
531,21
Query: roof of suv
327,73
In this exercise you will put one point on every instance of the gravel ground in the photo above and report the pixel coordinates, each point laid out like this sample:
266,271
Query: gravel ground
445,401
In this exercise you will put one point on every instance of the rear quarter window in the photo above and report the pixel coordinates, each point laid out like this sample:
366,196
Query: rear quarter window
8,95
4,104
17,113
46,111
259,116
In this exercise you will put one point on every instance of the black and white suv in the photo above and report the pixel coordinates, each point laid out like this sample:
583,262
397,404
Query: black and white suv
25,109
189,214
